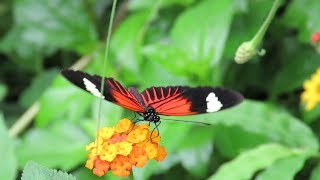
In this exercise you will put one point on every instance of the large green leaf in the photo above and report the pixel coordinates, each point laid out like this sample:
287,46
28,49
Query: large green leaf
204,41
232,140
249,162
315,173
26,54
298,62
126,43
8,166
61,146
196,159
63,24
195,152
40,27
284,169
195,47
303,15
62,101
33,171
269,122
39,84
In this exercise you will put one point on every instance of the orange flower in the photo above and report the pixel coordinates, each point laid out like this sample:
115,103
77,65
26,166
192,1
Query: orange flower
123,146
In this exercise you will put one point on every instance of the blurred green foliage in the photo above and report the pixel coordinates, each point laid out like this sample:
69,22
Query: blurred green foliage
161,43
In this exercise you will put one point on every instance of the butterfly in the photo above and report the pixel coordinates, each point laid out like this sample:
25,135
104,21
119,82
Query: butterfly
155,101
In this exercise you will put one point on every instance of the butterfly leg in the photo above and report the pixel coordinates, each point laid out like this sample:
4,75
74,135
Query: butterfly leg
134,124
155,128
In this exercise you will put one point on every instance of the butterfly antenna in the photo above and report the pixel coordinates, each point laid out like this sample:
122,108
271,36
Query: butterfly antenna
178,120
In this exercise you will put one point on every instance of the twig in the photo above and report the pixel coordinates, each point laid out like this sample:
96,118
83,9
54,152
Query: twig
24,120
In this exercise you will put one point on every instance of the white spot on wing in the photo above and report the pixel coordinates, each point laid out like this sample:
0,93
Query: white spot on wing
92,88
213,103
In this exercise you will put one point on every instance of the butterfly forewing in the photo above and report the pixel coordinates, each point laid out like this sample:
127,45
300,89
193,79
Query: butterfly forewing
113,91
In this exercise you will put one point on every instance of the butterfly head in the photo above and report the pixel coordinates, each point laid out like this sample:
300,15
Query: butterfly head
151,115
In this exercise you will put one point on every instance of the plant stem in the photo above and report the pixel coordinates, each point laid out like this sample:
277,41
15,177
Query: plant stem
260,34
24,120
106,53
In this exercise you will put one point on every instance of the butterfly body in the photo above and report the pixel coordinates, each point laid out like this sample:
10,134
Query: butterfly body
155,101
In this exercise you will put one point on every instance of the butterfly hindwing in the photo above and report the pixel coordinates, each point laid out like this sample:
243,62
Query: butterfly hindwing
113,91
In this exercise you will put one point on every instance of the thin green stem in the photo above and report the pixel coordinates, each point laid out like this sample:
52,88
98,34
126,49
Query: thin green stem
114,4
260,34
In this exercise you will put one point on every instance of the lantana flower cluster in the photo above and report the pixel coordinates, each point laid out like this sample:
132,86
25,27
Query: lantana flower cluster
311,94
123,146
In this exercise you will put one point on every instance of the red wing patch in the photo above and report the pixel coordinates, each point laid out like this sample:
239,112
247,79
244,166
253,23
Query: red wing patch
123,97
168,100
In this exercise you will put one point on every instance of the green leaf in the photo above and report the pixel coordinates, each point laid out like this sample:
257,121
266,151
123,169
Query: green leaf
205,41
295,63
303,15
62,146
63,24
110,113
126,43
145,4
248,162
195,48
284,169
38,85
194,153
315,173
24,53
3,91
169,57
62,101
310,116
86,174
33,171
270,121
196,159
8,167
232,140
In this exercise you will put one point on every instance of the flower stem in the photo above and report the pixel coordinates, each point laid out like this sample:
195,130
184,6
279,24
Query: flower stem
260,34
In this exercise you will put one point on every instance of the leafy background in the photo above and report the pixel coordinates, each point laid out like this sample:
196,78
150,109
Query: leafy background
161,42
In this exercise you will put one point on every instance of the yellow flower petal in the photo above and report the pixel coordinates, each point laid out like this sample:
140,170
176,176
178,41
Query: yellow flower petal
137,135
108,152
123,125
106,133
151,150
